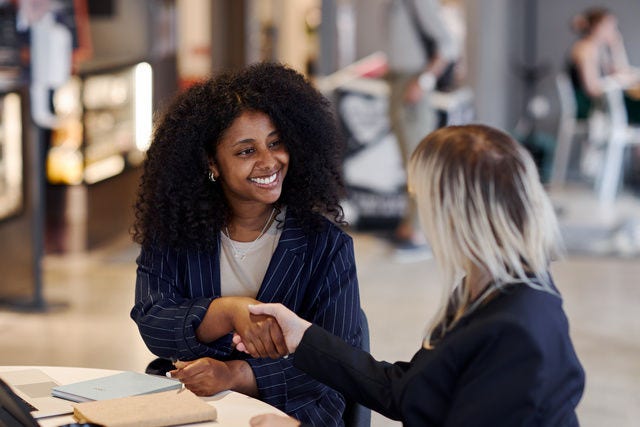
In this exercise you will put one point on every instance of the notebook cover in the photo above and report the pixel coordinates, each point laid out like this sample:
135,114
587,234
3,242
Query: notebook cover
154,410
114,386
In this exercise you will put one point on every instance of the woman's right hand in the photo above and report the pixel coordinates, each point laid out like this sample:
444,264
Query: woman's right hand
260,332
292,326
230,314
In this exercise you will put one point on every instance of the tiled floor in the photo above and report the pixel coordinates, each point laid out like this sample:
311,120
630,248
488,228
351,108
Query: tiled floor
91,294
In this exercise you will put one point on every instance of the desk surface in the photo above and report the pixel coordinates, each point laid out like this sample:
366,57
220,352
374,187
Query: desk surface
234,409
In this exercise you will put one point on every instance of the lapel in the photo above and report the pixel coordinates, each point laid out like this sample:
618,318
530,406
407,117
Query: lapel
285,267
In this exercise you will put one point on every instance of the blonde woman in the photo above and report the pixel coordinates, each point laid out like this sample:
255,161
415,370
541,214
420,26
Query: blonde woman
498,351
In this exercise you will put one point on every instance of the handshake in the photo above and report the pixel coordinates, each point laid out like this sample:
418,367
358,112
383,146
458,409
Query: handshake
274,331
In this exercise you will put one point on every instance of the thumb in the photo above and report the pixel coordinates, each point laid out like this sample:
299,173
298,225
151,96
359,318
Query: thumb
180,364
268,309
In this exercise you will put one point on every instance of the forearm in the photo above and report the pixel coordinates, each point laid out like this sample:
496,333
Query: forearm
221,317
349,370
217,321
437,65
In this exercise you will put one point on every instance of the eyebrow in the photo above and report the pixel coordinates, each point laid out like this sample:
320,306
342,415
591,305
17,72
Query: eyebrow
250,140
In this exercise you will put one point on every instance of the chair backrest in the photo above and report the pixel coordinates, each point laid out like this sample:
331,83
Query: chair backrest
356,415
614,107
566,129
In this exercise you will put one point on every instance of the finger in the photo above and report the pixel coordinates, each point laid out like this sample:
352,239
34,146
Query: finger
260,347
239,344
267,340
237,339
192,371
277,337
277,346
250,348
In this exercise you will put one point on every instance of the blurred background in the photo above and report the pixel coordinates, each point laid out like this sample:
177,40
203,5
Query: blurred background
81,80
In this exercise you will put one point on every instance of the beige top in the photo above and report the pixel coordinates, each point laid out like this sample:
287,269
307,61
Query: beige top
244,264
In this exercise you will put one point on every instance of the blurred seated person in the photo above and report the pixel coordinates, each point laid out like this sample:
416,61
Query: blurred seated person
498,352
597,54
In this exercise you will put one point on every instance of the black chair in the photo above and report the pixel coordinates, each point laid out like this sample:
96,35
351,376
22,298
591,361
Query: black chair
14,412
159,366
355,415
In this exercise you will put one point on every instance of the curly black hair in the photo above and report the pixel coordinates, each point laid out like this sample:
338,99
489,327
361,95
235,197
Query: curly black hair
178,206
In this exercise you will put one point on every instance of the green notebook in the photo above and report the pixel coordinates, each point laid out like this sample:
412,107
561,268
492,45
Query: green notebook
113,386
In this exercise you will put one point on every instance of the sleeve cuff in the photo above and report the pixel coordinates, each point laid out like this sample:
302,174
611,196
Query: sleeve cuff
271,379
186,334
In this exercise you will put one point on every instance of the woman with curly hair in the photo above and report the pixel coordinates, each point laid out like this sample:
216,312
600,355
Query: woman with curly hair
498,351
238,187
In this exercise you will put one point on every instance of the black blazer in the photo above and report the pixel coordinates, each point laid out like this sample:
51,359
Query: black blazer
510,363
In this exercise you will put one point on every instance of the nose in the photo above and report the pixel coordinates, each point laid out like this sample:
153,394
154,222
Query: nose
266,159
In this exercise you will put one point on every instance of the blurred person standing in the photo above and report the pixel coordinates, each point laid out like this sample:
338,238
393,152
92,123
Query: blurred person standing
420,51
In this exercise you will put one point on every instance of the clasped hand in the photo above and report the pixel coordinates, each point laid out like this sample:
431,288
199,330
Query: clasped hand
277,334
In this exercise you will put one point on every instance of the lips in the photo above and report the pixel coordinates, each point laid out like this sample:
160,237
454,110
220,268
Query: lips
266,180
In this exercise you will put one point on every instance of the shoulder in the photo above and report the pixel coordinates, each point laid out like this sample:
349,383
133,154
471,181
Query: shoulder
322,245
172,255
325,229
584,50
331,237
522,316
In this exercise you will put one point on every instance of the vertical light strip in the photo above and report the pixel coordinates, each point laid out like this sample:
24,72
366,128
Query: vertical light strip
13,140
143,105
11,133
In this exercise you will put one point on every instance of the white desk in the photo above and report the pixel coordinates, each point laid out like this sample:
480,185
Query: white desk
234,409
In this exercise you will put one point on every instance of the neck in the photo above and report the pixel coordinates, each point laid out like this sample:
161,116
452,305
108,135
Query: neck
246,224
476,280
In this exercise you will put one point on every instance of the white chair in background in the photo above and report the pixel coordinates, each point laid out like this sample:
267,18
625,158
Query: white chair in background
620,135
568,129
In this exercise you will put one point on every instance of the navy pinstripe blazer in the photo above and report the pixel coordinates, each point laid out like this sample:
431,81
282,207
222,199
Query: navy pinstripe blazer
313,274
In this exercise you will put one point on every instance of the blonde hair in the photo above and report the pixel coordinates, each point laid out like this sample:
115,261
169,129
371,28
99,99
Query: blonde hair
480,200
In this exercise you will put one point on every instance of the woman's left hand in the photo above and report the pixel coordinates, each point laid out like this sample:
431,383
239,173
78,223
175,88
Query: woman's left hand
205,376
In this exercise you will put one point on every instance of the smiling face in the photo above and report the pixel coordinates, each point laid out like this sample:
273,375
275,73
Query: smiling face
251,161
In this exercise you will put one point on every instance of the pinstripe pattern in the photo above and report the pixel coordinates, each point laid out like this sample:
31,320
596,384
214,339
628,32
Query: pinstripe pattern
312,274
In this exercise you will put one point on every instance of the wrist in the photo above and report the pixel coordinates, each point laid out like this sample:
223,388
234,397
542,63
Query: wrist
242,378
298,339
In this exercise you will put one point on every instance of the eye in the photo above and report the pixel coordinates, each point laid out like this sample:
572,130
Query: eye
245,152
275,144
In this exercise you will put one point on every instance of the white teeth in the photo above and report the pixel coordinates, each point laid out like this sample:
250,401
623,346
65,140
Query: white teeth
264,181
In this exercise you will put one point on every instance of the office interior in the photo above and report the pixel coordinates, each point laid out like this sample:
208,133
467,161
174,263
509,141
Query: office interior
72,142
